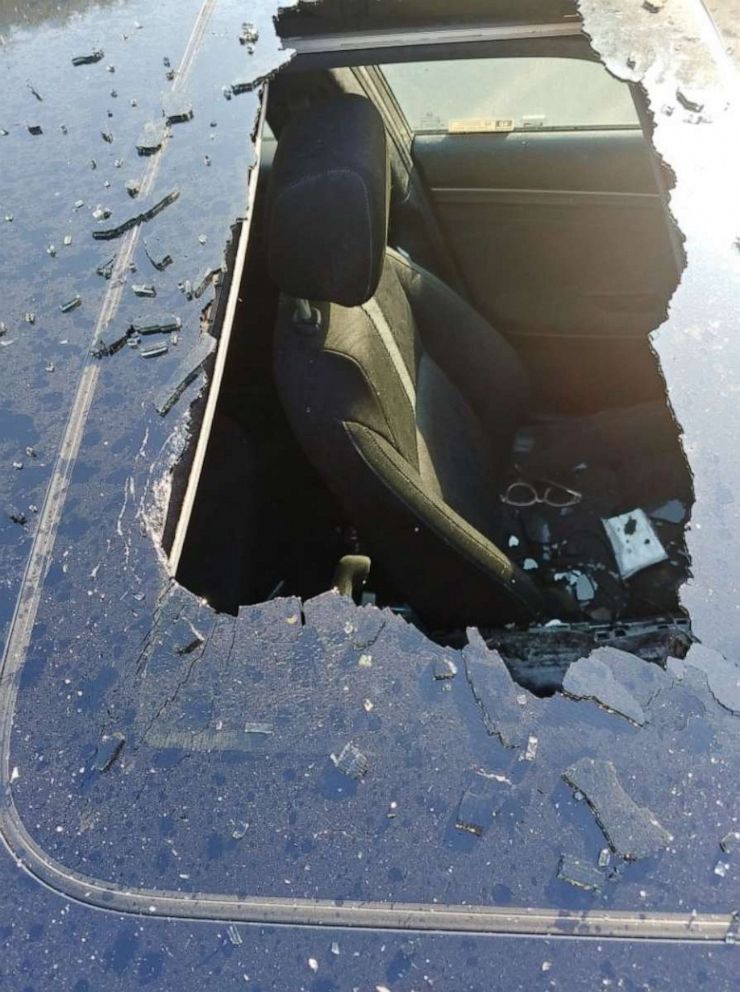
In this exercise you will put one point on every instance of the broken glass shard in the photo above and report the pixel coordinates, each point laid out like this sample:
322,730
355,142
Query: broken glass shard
722,676
108,751
580,873
633,831
151,138
132,187
34,129
481,800
72,304
730,842
249,34
154,350
144,215
263,729
176,108
94,56
184,375
351,762
105,269
161,325
591,678
107,137
444,669
157,254
495,692
144,289
101,213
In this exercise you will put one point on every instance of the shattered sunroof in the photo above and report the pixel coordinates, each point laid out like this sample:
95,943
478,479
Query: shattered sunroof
319,762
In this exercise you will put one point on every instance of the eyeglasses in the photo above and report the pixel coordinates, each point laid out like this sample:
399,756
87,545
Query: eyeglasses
522,493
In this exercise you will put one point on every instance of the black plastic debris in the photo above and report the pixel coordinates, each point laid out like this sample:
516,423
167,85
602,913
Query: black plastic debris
144,215
176,108
184,374
157,254
91,57
18,517
151,138
481,800
690,100
351,762
109,751
632,831
506,707
580,873
34,129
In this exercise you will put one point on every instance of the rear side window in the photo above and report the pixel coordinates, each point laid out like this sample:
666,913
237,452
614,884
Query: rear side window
510,94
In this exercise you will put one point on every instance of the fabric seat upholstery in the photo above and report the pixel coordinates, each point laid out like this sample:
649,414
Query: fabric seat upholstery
403,397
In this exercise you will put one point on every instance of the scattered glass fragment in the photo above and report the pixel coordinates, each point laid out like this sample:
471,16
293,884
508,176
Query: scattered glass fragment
263,729
185,373
368,705
632,831
176,107
531,752
78,204
154,350
234,936
161,325
9,218
249,34
18,466
579,873
313,964
143,289
351,762
29,317
94,56
481,800
722,675
334,944
151,138
50,367
690,100
730,842
240,830
605,856
101,213
35,92
226,92
105,269
51,250
444,669
107,137
202,239
67,240
18,517
72,304
157,255
146,214
109,750
495,692
654,6
592,678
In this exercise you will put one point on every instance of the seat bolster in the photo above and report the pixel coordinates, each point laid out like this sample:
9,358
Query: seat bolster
457,574
475,357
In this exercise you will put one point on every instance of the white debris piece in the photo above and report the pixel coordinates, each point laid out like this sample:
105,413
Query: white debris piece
634,542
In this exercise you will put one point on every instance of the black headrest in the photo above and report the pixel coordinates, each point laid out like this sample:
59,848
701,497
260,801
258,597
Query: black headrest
327,212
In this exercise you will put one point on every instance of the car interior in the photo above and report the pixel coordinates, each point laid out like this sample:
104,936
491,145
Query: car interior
440,394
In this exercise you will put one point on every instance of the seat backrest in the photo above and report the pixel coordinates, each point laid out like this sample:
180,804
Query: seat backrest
402,396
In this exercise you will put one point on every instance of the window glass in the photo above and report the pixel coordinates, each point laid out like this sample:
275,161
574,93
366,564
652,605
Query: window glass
506,94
